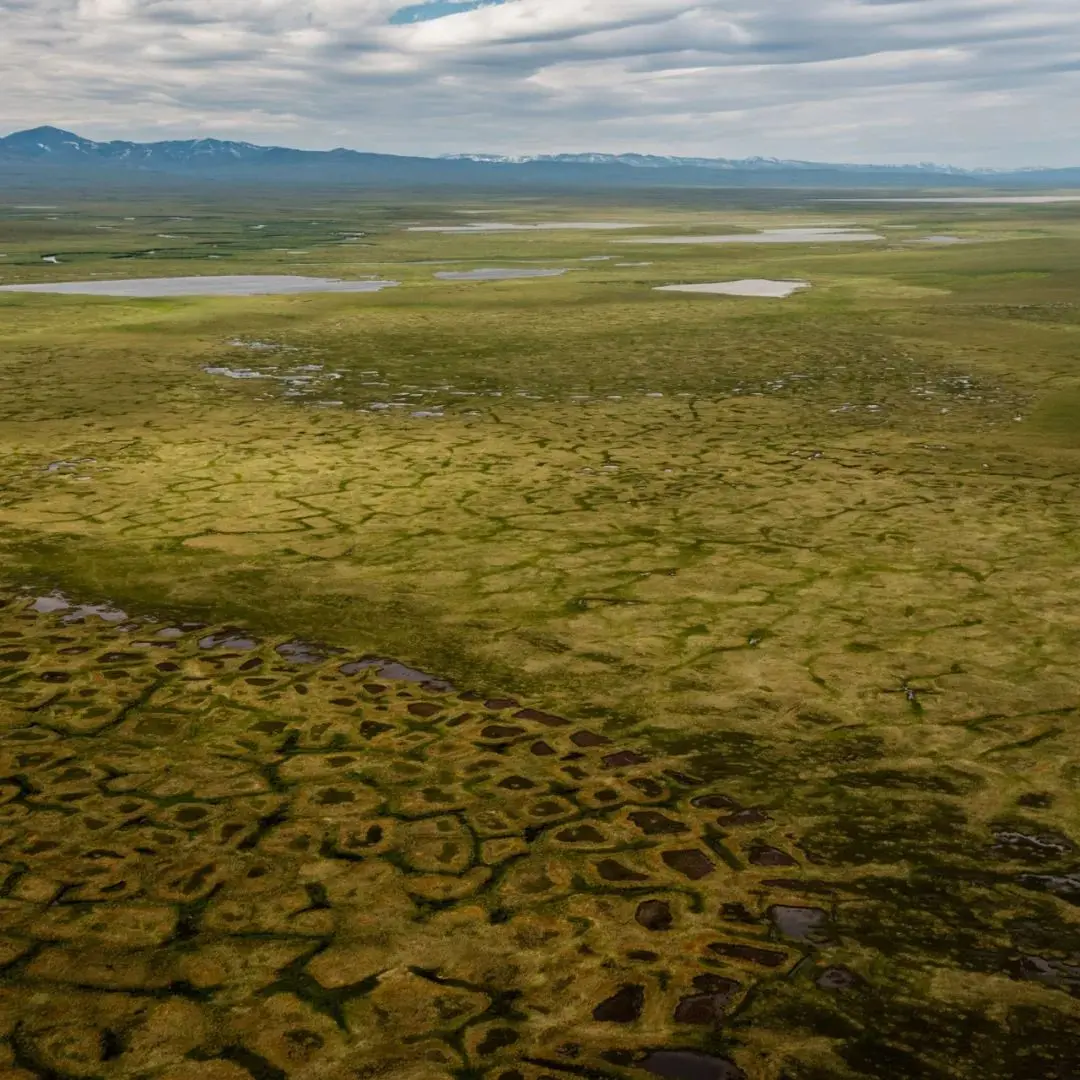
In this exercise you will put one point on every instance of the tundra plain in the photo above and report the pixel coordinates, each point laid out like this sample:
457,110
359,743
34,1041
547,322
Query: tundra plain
550,677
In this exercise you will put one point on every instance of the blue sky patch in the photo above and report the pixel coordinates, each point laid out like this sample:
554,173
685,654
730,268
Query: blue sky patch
437,9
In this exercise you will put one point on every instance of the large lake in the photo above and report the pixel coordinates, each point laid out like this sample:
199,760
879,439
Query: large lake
227,285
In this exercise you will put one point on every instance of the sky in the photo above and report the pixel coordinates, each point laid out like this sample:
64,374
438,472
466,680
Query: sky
968,82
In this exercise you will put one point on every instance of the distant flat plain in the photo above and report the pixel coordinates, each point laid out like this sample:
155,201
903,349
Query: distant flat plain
769,605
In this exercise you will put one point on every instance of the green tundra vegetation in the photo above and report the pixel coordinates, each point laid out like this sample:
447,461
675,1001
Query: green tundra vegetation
539,678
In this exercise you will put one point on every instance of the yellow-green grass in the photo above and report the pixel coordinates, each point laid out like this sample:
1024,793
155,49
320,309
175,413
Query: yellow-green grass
822,548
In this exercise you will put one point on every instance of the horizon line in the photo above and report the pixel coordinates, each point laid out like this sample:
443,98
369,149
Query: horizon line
520,158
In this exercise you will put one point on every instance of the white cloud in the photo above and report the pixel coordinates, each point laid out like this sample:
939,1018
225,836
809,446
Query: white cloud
969,81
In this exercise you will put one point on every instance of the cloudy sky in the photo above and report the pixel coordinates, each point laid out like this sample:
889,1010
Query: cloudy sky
971,82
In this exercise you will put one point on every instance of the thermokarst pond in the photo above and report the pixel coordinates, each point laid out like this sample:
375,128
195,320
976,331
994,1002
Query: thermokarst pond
937,241
822,235
495,274
541,226
745,287
224,285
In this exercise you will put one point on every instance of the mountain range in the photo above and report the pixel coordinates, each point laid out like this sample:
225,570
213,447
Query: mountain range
754,164
49,153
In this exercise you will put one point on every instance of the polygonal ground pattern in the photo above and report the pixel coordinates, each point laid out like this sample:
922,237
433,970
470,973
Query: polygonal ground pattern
231,857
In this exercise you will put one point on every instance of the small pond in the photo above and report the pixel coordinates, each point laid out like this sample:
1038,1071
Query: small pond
541,226
825,235
744,287
495,274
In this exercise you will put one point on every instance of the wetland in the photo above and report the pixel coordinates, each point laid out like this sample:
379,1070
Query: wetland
549,680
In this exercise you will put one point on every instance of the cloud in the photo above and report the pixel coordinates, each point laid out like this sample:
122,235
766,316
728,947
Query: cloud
969,81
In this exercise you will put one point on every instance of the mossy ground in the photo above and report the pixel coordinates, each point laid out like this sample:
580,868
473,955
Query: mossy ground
816,555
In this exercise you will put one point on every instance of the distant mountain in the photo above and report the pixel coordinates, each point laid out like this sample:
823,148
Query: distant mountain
754,164
55,145
51,154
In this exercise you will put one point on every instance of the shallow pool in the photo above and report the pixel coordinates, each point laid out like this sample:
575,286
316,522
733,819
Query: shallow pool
743,287
495,274
768,236
540,226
